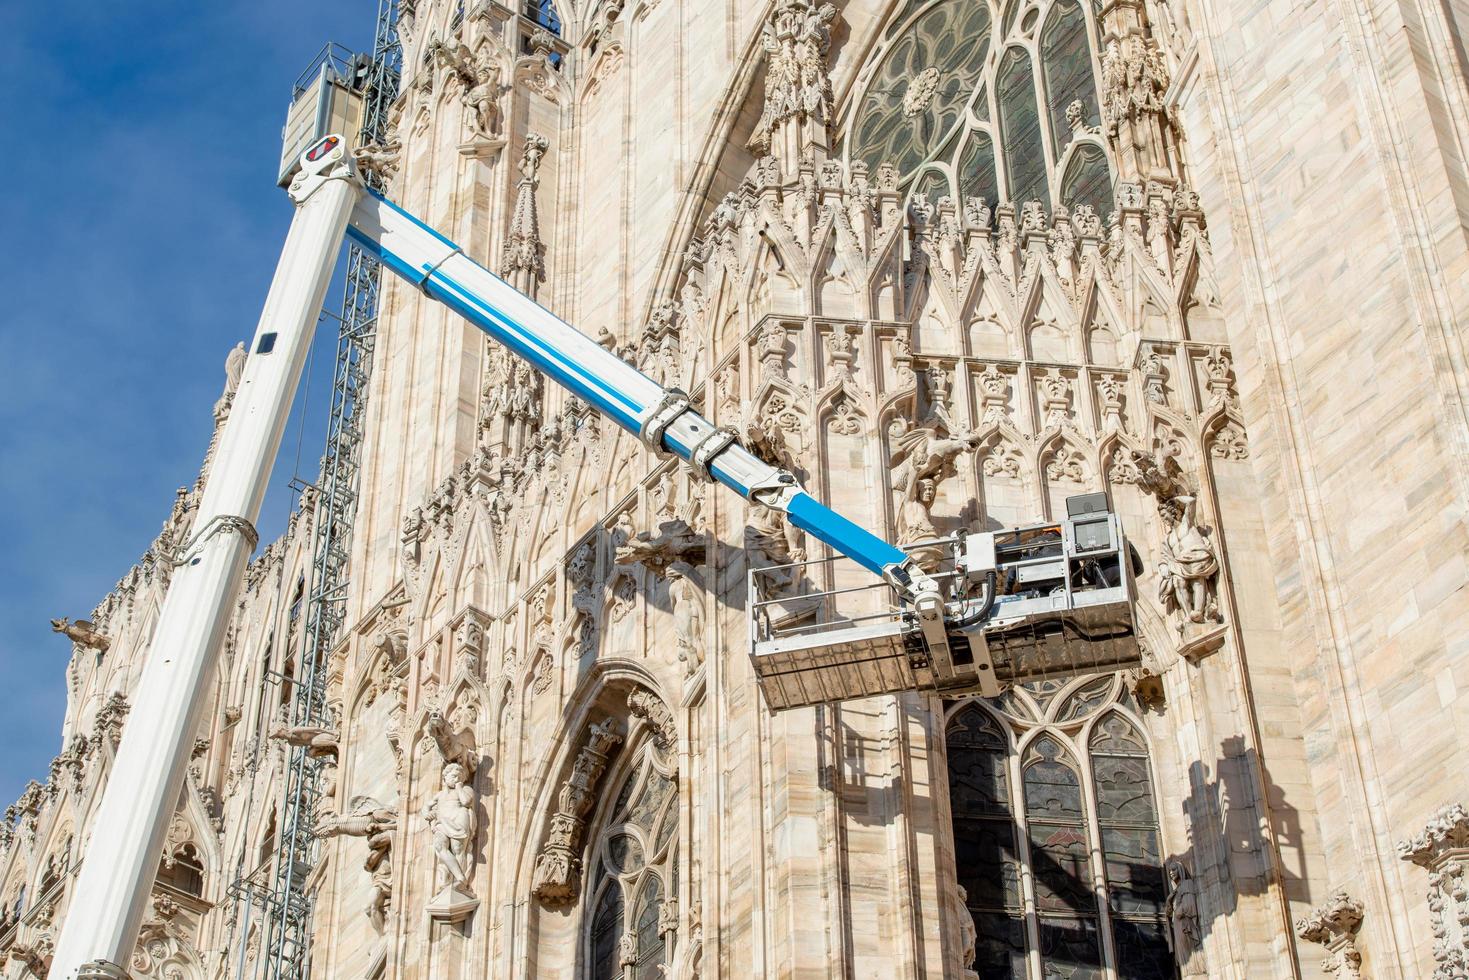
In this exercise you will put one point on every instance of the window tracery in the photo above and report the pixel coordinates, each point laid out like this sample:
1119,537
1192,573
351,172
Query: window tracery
968,98
635,878
1042,780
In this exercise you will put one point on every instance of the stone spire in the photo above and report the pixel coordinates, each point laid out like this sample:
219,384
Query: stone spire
798,97
521,260
1134,80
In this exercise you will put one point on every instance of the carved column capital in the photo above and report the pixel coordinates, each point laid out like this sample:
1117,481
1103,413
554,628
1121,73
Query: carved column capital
1442,848
1334,924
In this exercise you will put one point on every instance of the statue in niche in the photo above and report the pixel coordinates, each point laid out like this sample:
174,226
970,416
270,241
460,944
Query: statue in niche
769,534
376,823
688,614
482,99
923,459
1188,565
915,521
1182,908
450,815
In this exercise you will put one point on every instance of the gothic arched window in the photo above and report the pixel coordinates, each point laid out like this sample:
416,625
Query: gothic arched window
1028,821
183,870
968,98
635,862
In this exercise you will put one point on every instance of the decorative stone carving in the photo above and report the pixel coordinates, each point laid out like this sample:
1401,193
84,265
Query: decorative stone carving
1185,937
1155,375
687,597
375,823
82,633
1055,401
482,99
110,719
1227,441
455,742
650,708
770,539
32,956
1334,924
1134,78
379,159
1442,849
920,91
923,458
798,93
319,741
770,349
165,947
994,391
522,260
557,877
1188,567
1076,120
452,821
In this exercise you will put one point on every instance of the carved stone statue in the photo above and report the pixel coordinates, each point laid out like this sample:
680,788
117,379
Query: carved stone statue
319,741
1182,908
968,934
82,633
915,520
675,542
1188,565
379,158
688,614
451,817
454,745
770,539
482,99
376,823
234,369
924,457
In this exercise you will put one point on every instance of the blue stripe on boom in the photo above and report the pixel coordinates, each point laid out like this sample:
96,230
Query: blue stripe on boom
866,548
535,349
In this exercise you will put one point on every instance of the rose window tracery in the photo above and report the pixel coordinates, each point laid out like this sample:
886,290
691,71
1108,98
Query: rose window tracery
972,99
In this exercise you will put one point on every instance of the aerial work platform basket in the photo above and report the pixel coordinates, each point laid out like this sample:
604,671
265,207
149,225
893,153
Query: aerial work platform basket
1050,599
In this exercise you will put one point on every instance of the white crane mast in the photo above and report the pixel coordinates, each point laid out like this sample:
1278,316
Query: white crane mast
112,888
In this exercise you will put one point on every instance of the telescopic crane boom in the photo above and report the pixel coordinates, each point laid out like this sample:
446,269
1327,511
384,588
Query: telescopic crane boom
961,634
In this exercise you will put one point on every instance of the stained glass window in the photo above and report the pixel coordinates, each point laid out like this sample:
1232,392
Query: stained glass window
635,854
984,89
984,840
606,931
1129,830
1060,862
1020,128
1066,62
1088,180
1026,830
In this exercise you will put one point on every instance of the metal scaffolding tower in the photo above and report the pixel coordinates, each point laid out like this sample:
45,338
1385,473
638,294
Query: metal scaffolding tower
282,899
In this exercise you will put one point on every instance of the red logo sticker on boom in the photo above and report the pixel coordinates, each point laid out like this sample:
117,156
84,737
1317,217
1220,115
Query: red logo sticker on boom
322,149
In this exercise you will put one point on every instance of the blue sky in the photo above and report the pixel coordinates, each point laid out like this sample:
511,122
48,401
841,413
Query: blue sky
140,225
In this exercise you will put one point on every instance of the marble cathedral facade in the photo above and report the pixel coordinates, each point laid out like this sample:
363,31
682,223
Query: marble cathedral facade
1199,255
